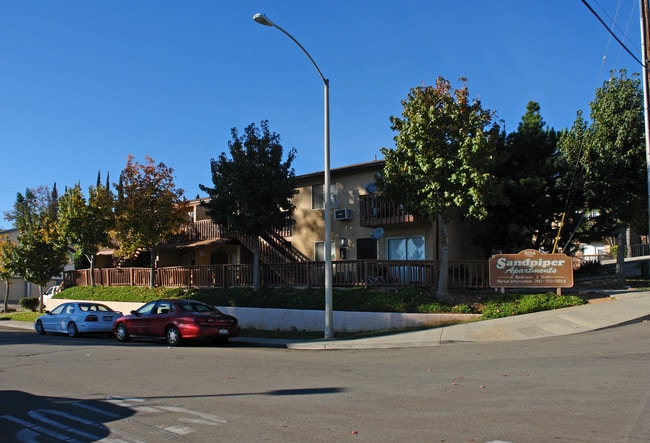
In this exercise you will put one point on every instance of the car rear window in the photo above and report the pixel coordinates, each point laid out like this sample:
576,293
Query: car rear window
91,307
196,307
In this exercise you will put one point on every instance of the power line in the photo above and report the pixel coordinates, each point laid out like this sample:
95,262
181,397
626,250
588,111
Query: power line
611,32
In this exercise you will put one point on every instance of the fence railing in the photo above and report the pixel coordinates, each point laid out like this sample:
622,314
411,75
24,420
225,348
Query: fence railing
467,274
639,250
108,277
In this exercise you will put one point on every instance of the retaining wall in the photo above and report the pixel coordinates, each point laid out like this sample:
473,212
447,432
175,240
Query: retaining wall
309,320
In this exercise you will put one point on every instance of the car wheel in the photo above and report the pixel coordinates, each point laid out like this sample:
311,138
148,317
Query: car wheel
173,336
72,329
40,329
121,333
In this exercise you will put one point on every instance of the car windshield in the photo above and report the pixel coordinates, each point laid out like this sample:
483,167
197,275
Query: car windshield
194,306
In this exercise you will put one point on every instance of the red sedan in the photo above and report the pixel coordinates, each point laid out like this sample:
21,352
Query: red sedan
176,320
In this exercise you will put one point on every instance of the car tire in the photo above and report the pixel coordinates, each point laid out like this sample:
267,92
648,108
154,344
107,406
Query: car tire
40,329
173,336
121,333
72,329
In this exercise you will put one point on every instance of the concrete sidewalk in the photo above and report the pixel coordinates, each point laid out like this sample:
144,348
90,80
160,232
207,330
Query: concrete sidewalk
621,307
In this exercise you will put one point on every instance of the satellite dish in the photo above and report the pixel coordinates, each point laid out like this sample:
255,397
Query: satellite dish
377,233
371,188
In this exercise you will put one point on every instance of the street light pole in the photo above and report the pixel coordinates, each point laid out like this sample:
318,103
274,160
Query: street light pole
329,329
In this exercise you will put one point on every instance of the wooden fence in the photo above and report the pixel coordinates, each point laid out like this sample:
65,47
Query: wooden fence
465,274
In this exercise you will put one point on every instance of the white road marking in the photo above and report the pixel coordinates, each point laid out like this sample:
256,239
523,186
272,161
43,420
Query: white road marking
180,430
42,420
206,418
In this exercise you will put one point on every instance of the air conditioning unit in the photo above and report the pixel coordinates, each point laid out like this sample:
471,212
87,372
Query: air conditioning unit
343,214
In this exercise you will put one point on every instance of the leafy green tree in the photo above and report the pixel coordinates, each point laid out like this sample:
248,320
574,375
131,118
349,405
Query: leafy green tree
253,189
149,209
41,251
611,153
86,226
440,168
527,170
8,264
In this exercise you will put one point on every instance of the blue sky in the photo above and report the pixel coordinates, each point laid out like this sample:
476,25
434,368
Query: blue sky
83,83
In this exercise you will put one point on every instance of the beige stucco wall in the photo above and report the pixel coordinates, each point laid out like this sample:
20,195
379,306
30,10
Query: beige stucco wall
309,227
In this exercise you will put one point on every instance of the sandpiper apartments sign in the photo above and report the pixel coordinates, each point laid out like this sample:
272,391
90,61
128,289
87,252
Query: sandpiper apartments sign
531,269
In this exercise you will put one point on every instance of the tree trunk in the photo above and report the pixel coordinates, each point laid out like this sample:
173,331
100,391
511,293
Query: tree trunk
256,264
621,236
443,276
152,270
91,261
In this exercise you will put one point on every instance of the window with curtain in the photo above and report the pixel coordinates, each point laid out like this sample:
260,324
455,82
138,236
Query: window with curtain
406,248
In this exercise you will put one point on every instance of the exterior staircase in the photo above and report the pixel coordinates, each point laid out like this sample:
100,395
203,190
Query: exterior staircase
274,248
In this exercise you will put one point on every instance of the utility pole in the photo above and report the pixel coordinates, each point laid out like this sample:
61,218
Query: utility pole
645,48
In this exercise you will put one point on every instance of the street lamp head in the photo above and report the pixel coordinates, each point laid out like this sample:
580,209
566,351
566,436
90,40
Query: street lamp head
263,20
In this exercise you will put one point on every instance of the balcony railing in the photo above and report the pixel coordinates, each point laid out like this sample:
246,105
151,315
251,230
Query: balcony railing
374,211
469,274
198,231
208,230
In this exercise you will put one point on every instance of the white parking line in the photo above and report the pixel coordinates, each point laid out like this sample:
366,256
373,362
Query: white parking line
206,419
53,422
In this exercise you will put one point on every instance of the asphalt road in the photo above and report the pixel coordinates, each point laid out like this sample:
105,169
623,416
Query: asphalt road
590,387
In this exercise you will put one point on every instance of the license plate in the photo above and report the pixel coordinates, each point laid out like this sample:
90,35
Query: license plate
223,331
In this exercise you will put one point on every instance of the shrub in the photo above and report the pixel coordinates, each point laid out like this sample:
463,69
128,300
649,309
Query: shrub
463,309
515,304
29,303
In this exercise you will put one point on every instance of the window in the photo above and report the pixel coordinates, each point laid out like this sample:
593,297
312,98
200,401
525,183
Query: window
319,251
163,307
318,196
406,248
146,309
58,310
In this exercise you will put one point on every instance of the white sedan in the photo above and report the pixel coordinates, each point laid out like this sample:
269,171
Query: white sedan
77,318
